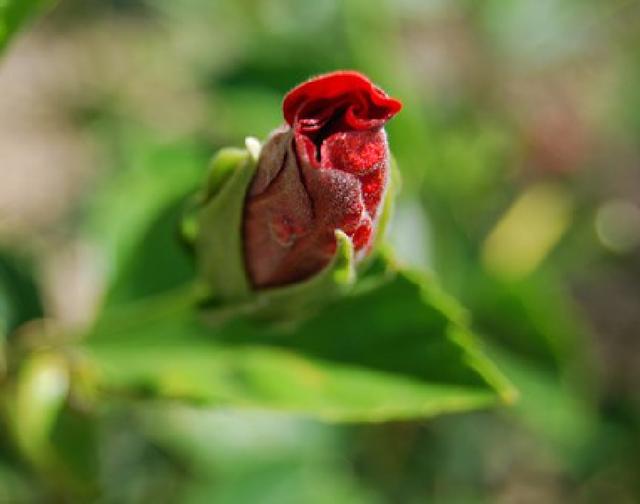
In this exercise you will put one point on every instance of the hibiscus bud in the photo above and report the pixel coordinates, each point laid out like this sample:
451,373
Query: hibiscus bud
277,230
327,169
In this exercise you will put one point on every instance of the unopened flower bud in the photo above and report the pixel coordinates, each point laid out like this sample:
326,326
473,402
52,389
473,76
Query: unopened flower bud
326,170
284,225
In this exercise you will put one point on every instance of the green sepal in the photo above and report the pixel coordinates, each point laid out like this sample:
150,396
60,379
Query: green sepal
294,302
217,233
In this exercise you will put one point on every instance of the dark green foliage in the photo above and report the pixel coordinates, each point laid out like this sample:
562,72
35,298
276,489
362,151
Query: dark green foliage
15,13
19,297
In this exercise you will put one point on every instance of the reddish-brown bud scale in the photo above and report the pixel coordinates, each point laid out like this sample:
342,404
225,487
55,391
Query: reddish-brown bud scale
327,169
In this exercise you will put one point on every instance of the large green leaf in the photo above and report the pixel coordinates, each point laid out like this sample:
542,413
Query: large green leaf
394,351
258,457
14,13
134,217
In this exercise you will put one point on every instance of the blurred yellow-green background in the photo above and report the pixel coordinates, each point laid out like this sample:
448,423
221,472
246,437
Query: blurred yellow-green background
520,155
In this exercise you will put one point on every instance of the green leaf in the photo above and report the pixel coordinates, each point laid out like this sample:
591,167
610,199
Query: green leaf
554,409
159,262
19,297
41,392
533,318
393,352
13,15
58,440
134,218
258,457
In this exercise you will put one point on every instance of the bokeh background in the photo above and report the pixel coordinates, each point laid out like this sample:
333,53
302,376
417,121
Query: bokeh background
519,151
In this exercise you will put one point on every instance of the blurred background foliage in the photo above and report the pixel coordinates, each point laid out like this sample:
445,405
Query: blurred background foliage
519,151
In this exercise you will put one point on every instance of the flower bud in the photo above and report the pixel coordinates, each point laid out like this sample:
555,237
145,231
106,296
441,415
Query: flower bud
326,170
279,228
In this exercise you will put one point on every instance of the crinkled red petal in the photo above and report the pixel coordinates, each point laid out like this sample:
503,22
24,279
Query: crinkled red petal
316,100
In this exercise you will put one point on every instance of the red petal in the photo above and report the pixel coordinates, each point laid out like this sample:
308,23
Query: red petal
316,99
357,152
362,235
